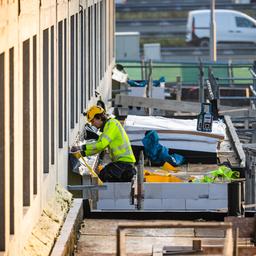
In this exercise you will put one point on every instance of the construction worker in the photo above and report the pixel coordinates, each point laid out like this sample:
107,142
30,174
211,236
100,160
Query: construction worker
113,137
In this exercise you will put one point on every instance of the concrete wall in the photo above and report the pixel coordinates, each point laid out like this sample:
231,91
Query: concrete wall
42,80
166,197
185,196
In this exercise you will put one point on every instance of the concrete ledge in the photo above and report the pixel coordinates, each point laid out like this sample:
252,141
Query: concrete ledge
47,229
68,235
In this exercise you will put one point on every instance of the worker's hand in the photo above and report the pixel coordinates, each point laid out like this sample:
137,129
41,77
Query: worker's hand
76,148
78,151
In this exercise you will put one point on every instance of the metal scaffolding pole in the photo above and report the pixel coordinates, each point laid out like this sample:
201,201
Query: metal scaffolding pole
213,50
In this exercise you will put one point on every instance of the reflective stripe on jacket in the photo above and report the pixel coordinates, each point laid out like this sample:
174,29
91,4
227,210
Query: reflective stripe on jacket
115,138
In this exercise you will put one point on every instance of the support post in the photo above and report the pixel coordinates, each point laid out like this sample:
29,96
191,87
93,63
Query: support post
213,52
201,83
228,244
140,180
230,74
142,65
197,245
236,236
179,88
120,243
234,199
150,86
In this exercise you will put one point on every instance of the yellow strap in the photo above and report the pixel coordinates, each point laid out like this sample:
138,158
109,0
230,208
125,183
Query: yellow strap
94,174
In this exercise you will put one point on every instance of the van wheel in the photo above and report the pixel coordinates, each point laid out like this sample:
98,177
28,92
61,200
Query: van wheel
204,42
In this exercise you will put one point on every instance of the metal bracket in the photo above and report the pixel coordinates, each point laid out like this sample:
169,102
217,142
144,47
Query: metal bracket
89,187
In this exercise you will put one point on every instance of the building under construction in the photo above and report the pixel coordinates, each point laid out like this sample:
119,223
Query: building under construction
56,60
54,56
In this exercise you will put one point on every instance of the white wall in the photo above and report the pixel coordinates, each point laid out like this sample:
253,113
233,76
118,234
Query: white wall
28,22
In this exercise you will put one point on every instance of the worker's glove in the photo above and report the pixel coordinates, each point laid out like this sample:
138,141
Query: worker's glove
80,148
75,148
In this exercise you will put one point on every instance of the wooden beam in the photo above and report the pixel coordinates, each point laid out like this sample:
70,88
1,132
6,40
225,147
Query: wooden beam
228,243
195,133
235,141
171,105
174,224
239,112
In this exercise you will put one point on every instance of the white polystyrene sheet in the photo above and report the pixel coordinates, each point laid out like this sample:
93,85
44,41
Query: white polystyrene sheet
179,141
137,125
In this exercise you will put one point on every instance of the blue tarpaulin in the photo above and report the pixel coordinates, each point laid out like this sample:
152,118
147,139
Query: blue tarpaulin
159,153
137,83
143,83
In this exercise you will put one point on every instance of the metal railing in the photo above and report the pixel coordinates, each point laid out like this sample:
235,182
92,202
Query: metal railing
228,74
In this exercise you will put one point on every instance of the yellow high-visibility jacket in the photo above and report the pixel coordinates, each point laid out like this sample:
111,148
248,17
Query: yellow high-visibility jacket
115,138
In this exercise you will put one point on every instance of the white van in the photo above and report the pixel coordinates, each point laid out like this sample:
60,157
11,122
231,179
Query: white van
231,26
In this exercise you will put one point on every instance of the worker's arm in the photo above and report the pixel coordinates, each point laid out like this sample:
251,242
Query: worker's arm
104,140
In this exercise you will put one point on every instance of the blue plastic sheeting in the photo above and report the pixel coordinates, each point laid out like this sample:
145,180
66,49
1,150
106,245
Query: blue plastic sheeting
143,83
157,83
136,83
158,153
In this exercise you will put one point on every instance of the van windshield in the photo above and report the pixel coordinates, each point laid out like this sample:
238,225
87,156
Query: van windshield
244,23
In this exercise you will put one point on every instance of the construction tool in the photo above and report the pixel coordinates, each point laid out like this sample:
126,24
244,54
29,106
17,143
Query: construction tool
204,120
78,155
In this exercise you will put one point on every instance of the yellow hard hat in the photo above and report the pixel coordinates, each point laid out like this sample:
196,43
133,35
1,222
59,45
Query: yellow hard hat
94,110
